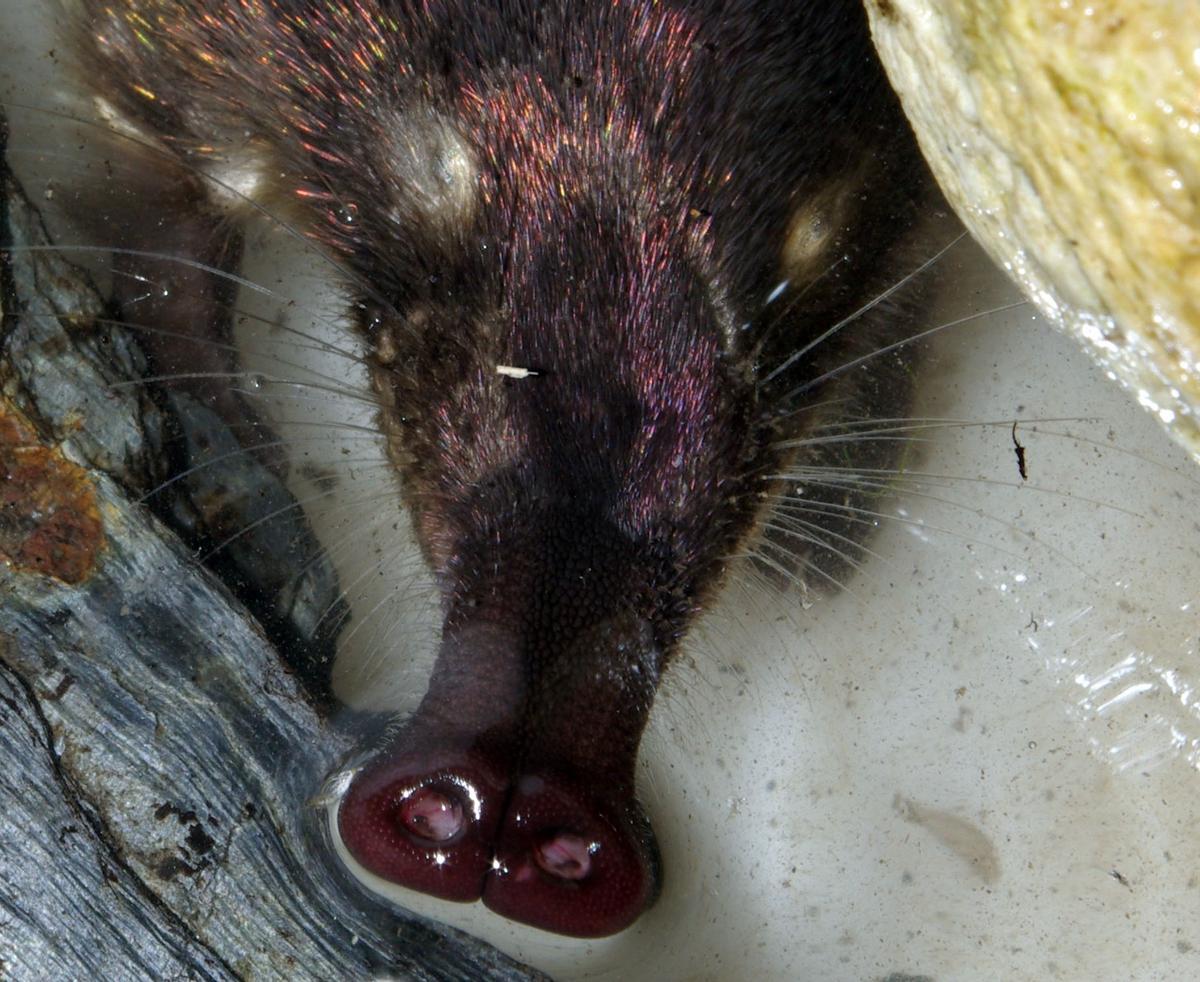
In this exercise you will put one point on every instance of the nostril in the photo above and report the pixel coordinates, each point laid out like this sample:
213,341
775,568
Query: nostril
565,855
432,815
425,820
571,862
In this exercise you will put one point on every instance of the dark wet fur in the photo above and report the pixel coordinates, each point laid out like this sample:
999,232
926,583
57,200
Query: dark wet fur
634,173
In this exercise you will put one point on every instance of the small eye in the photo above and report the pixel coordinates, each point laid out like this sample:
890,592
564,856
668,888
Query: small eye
346,214
372,318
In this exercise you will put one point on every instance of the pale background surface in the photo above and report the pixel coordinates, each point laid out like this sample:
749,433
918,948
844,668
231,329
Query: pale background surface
938,771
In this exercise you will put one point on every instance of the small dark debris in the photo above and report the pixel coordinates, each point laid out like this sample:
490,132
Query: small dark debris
1120,878
1020,452
167,809
171,867
62,689
199,841
59,617
65,831
324,478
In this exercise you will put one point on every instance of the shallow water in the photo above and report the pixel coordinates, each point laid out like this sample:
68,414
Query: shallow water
978,760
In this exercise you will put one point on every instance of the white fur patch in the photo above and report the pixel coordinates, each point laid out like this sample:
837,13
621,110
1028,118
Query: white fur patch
234,178
434,174
237,178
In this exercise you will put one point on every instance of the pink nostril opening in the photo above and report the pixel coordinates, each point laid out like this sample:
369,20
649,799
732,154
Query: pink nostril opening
565,855
424,819
432,815
588,882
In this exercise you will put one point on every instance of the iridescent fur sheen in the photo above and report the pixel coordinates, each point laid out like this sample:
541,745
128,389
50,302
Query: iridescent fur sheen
609,195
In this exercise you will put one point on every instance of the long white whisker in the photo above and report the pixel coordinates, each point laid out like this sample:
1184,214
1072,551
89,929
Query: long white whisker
370,571
278,223
255,379
892,477
792,302
294,505
816,529
912,424
316,343
1112,448
183,261
759,555
812,538
797,355
824,507
886,349
909,492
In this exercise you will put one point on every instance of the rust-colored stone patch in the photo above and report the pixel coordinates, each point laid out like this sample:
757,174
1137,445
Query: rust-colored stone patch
49,522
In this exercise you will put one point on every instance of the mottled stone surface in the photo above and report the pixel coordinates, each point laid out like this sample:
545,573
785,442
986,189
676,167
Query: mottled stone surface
1067,136
156,755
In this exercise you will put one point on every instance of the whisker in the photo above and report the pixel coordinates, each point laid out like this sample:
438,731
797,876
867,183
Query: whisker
348,637
275,221
159,291
787,627
812,538
382,641
183,261
758,555
247,349
275,513
910,492
413,562
781,316
888,348
797,355
317,344
783,503
824,507
903,424
904,476
883,436
211,462
818,530
1112,448
319,424
255,380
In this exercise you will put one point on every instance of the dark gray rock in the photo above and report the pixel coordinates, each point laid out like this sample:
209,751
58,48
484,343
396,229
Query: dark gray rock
156,755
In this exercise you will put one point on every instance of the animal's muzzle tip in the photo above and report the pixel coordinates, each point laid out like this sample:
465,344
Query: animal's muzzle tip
542,850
